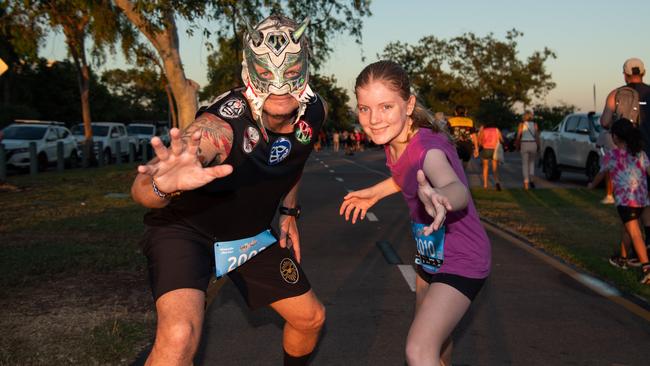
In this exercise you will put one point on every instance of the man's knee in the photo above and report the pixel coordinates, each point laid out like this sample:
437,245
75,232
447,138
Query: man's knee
312,320
181,337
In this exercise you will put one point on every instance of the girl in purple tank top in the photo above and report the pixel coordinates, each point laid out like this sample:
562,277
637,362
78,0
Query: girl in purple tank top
453,250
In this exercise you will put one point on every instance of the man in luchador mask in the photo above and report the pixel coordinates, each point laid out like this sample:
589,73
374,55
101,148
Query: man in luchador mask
214,192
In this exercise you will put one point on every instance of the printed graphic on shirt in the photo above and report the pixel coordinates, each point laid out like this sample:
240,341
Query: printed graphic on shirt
232,108
289,271
251,138
279,150
303,132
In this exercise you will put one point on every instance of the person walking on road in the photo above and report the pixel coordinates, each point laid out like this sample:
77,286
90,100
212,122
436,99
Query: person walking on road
635,107
489,137
213,195
629,168
453,259
528,143
463,130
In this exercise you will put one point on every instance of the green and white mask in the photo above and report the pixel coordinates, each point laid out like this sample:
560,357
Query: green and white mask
276,44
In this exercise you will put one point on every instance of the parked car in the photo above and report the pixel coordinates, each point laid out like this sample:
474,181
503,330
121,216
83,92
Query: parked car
144,132
109,134
46,134
571,146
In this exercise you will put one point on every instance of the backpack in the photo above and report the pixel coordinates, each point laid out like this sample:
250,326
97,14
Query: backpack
627,104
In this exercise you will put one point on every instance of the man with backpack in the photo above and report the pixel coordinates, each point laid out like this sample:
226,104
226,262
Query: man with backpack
631,102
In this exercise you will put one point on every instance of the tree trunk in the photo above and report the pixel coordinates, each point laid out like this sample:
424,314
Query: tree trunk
165,41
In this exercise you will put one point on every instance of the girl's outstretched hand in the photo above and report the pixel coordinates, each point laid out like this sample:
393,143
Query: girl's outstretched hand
357,203
435,204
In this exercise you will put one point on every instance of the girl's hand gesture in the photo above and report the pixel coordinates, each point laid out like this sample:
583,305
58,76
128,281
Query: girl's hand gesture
435,204
357,203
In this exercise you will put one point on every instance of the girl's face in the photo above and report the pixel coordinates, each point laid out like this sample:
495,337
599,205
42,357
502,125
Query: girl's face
383,114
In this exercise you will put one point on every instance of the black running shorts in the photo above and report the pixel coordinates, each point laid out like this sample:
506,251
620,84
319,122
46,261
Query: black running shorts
628,213
179,257
467,286
465,149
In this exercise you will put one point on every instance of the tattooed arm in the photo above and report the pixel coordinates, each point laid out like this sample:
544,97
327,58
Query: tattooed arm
191,161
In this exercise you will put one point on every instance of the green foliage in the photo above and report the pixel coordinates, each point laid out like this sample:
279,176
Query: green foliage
141,93
549,116
482,73
224,69
339,114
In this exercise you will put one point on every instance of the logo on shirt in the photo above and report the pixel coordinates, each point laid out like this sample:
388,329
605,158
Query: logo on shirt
279,151
232,108
251,138
303,132
289,271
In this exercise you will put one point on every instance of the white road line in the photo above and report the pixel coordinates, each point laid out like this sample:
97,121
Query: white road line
409,275
331,171
371,216
326,166
339,179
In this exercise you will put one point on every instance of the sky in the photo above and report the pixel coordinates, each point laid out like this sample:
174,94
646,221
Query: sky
591,38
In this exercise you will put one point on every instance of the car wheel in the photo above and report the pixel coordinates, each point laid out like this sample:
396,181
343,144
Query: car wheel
593,166
107,157
42,162
551,170
73,160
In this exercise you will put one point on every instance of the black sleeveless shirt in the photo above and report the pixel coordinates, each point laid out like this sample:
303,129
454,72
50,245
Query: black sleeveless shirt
244,203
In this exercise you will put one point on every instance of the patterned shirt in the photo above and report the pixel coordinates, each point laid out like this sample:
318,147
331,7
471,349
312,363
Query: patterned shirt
628,174
461,128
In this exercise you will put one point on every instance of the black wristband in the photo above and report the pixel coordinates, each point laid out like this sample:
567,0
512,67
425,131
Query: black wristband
295,212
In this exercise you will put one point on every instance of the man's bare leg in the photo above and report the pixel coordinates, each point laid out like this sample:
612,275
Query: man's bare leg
180,319
304,317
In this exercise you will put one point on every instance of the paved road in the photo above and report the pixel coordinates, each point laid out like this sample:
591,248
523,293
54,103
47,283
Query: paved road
529,313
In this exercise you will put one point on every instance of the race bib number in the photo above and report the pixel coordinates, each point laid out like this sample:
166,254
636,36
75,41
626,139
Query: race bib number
430,248
228,255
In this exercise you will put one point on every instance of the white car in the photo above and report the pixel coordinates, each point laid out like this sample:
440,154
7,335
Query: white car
144,132
109,134
46,134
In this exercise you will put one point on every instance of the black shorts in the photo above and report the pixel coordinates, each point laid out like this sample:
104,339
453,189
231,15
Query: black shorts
464,150
628,213
467,286
487,154
179,257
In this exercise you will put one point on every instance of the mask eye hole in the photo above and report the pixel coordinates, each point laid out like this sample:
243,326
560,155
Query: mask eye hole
263,72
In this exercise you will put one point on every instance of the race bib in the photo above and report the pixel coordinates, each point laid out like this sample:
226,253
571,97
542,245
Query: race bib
229,255
430,248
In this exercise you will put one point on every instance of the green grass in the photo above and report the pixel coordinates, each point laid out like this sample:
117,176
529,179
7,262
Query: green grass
568,223
72,275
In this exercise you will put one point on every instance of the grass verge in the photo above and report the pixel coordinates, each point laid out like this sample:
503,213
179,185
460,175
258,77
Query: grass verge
72,278
569,223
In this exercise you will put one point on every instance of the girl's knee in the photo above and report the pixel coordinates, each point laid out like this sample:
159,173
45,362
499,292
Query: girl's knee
180,336
313,320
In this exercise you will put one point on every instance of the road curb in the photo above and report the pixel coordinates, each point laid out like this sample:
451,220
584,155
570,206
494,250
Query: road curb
630,301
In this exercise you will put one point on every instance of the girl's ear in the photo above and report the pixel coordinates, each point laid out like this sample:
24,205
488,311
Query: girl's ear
410,105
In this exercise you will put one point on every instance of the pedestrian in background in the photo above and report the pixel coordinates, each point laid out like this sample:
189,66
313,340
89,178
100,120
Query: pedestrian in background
604,143
528,145
489,137
441,120
629,167
335,140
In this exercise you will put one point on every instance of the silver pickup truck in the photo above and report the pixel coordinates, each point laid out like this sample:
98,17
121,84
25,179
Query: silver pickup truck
571,146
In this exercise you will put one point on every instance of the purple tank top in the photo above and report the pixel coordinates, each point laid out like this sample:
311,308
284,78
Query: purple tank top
467,248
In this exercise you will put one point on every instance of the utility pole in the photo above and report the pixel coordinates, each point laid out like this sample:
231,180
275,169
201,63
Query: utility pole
594,97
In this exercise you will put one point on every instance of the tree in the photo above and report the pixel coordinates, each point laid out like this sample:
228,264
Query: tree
548,117
140,92
338,113
157,22
481,73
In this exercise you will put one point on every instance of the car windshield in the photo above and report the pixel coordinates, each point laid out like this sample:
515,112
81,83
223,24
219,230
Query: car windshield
140,130
24,132
78,130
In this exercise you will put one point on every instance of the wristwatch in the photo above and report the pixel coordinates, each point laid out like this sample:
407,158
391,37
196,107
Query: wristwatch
295,212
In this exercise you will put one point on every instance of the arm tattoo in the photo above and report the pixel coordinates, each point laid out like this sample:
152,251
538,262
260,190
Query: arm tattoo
216,138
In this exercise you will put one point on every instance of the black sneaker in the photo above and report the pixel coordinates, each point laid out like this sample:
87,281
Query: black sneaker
531,185
634,262
645,279
618,261
498,185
